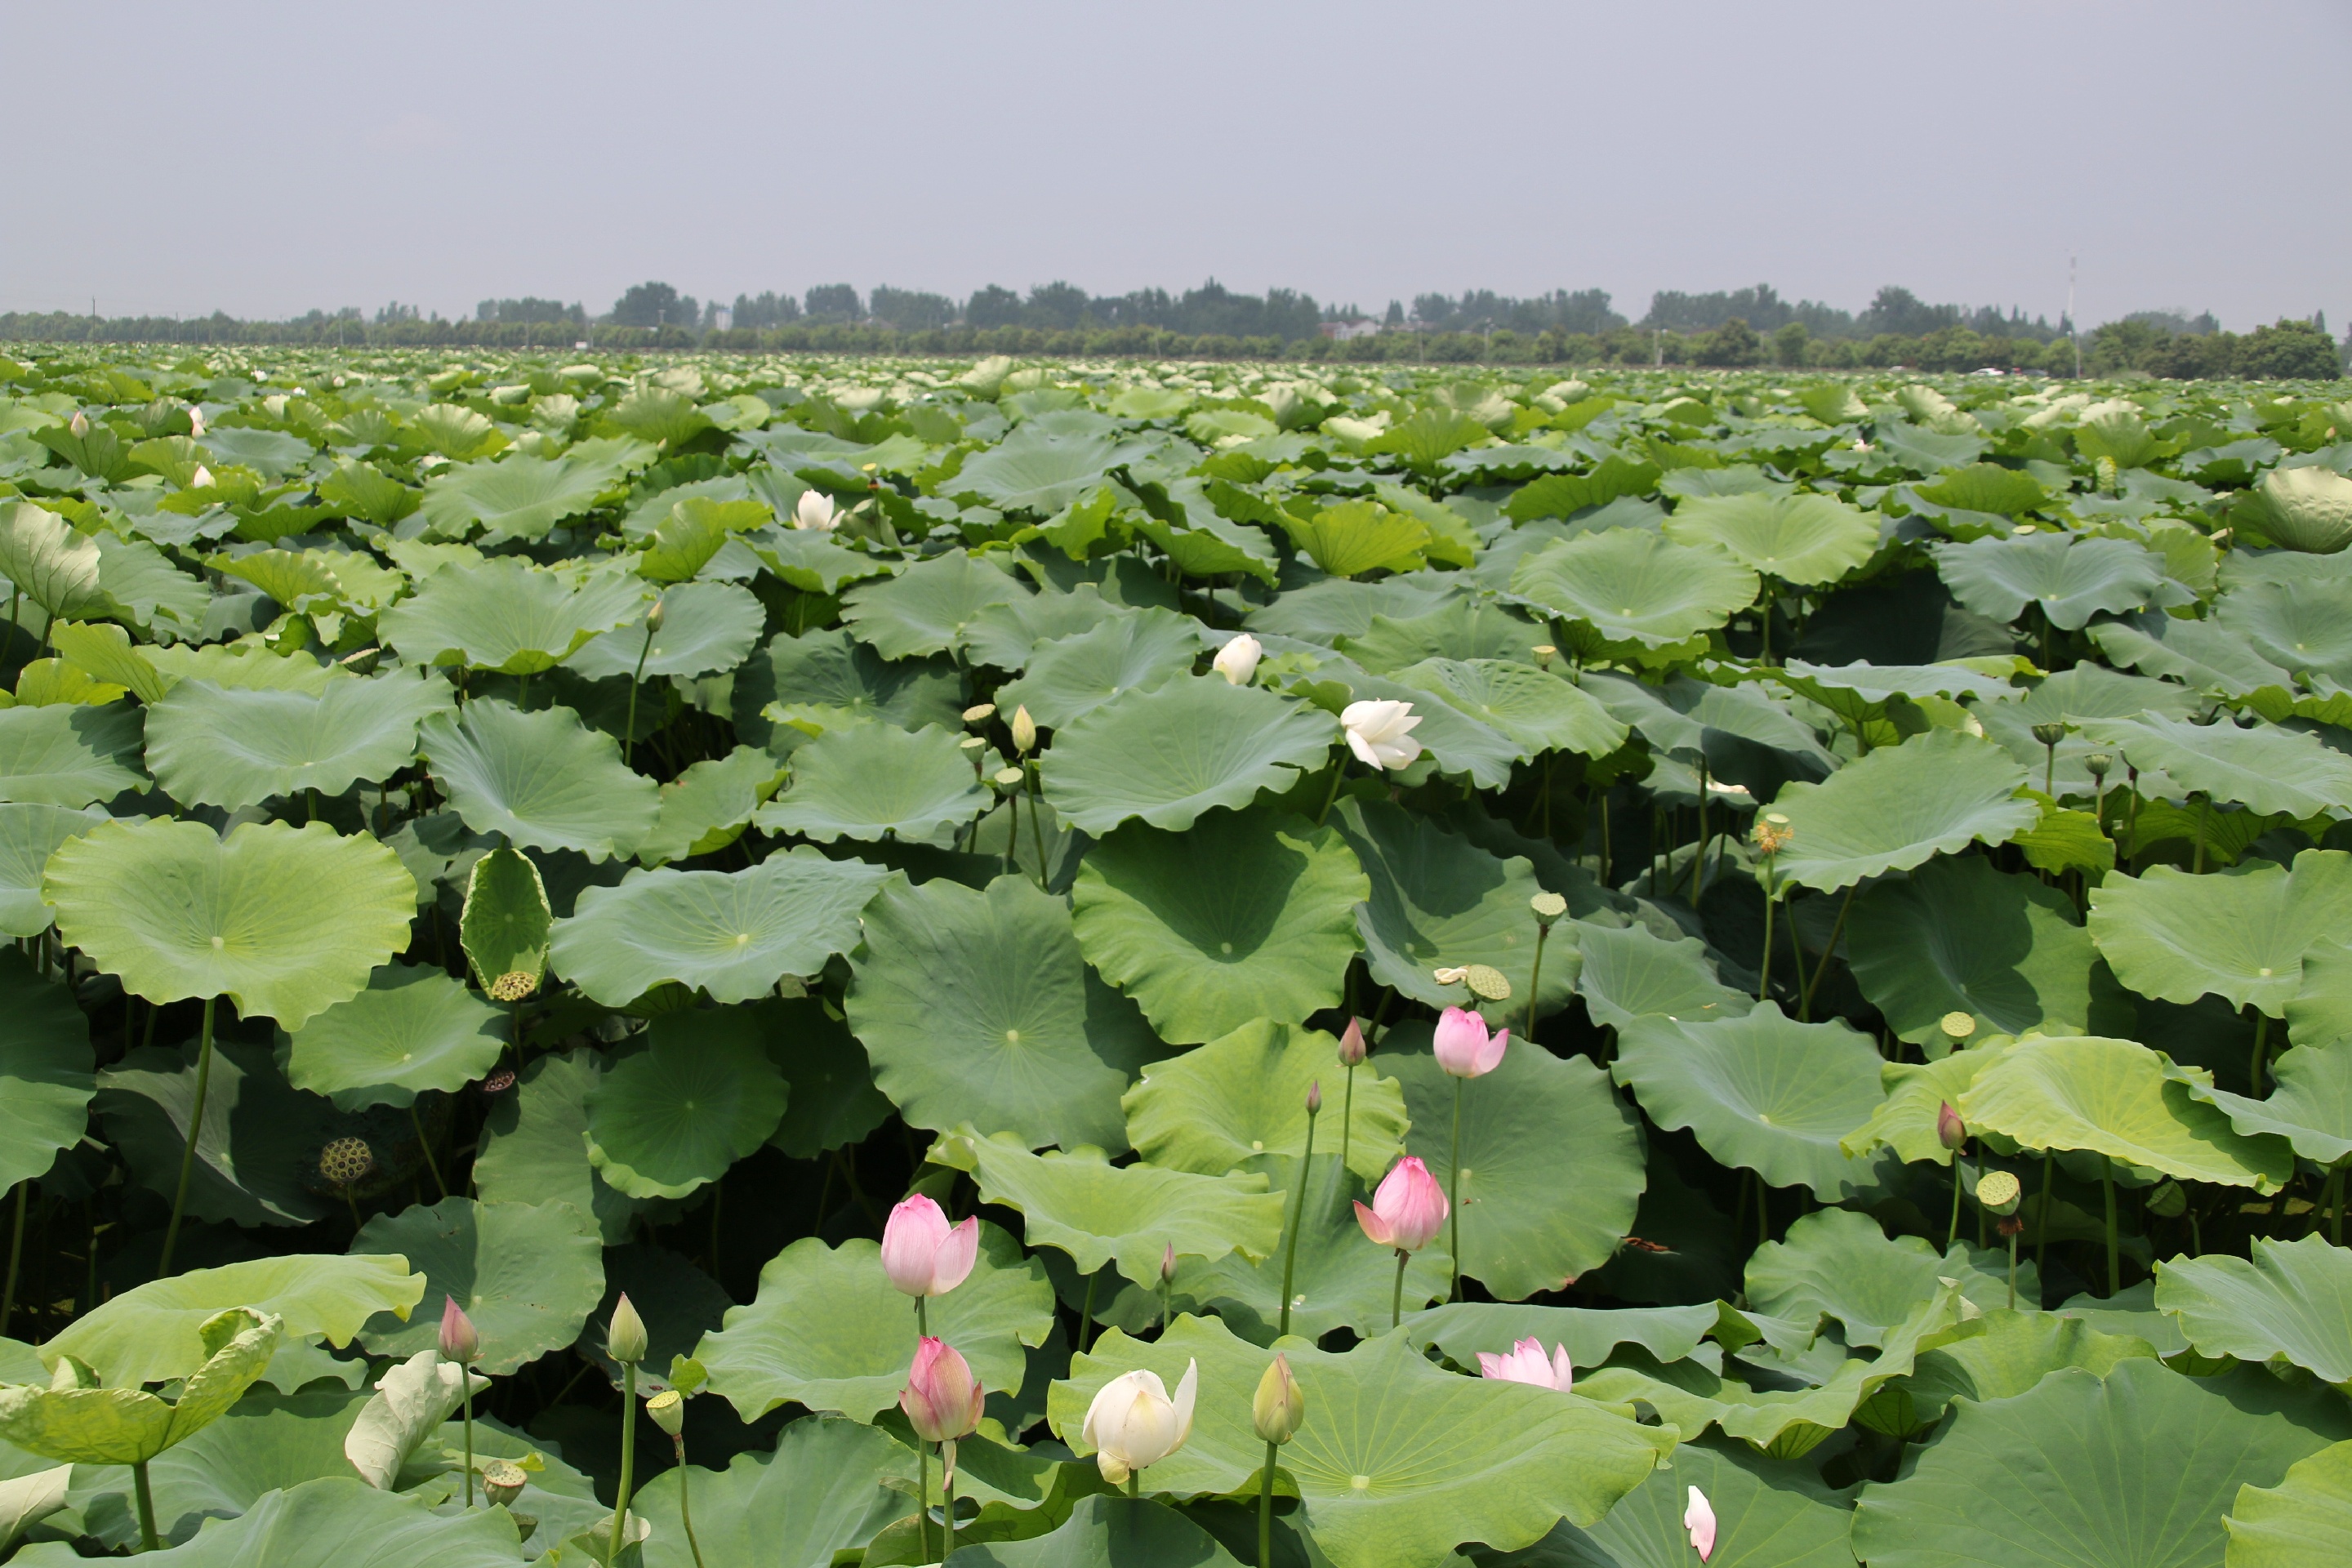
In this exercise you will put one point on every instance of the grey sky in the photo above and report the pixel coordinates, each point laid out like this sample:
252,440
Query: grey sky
267,158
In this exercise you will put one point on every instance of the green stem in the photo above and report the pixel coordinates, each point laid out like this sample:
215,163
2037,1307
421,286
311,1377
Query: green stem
1829,950
685,1510
629,729
15,1257
947,1507
2262,1050
922,1321
1265,1510
1698,858
1535,981
1339,772
1086,1313
2335,1209
1396,1296
465,1391
1297,1218
1347,1125
2012,1271
2042,1222
628,1460
1764,970
1953,1234
2204,807
2115,1251
188,1152
425,1143
1037,821
1011,833
1453,1196
922,1501
147,1535
1135,1483
1763,1212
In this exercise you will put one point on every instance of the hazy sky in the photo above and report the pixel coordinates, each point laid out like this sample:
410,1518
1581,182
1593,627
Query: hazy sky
265,158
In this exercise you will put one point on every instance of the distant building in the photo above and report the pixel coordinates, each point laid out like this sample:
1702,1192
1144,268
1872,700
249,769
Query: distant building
1360,327
723,317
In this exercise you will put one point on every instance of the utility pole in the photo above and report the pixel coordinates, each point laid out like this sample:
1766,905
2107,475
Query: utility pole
2074,327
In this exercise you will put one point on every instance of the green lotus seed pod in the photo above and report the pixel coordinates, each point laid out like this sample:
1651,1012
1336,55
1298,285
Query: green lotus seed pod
1488,982
1998,1192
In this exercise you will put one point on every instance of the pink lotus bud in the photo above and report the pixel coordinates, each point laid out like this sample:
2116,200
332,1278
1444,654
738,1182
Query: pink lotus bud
1699,1520
1167,1263
460,1342
942,1400
1315,1096
1951,1131
1464,1046
1408,1209
79,424
922,1253
1352,1050
1526,1363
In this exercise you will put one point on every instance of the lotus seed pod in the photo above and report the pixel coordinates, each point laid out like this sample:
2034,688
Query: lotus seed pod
668,1409
514,986
346,1162
503,1480
1488,982
979,713
2098,762
1007,778
1280,1407
1545,653
1024,731
1951,1131
2050,734
1958,1026
972,742
500,1081
625,1340
1549,907
1773,834
1998,1192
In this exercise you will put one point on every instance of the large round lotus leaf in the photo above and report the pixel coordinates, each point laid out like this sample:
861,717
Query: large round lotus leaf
2205,654
2069,577
78,1419
1915,1094
2086,1472
1268,935
2292,1299
1133,652
522,497
1461,629
1551,1164
828,680
1357,536
2307,509
2264,768
1898,806
2118,1099
875,781
1328,611
1172,752
705,628
1625,971
150,1333
978,1006
1632,585
215,746
45,1066
1986,487
341,1521
829,1331
1768,1513
412,1030
69,756
2239,933
2310,1103
2306,1519
1398,1461
284,922
534,1147
1840,1263
707,807
1100,1213
1218,1108
55,563
1458,744
2300,622
926,608
1009,634
733,934
1762,1092
2320,1012
820,1492
1441,901
2086,692
266,1441
1959,936
256,1148
1805,540
1107,1533
527,1275
1038,470
2000,1353
701,1096
1535,710
543,779
29,835
507,614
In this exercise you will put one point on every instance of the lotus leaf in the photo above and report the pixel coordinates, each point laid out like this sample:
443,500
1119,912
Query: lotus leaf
1169,753
1631,585
412,1030
2239,933
527,1276
508,615
1899,806
545,780
876,781
1219,1108
670,1118
236,748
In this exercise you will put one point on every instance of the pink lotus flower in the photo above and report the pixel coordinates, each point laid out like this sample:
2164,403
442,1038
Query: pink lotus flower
922,1253
460,1342
1526,1363
1408,1209
1699,1520
942,1399
1464,1048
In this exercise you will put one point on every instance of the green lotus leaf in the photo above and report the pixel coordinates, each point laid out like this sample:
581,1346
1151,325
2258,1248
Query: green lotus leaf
1039,471
53,563
1072,676
2320,1012
1439,901
928,608
872,782
256,1148
1838,1262
2307,1518
29,835
2298,623
2118,1099
266,1441
978,1006
733,934
338,1521
1804,540
2203,654
2310,1103
80,1420
545,779
1269,937
1589,1335
534,1144
412,1030
1357,536
1632,585
1106,1532
2143,1459
834,1100
1461,629
222,663
46,1065
1536,710
1459,744
146,587
2265,768
152,1332
518,496
2069,577
1958,936
671,1117
812,561
828,1330
505,921
1626,971
1768,1513
2239,933
1551,1164
1986,487
1009,634
827,680
1899,806
705,628
2307,509
1216,1109
1905,1120
2085,691
527,1276
2001,1353
2288,1300
1761,1092
284,922
709,805
67,754
1398,1461
820,1492
507,614
1178,749
215,746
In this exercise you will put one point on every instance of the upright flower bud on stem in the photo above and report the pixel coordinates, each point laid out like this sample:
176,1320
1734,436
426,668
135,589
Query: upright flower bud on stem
1464,1050
461,1344
1408,1209
624,1341
1166,1281
1998,1192
1773,835
667,1410
1298,1203
1276,1413
1953,1134
1352,1051
942,1401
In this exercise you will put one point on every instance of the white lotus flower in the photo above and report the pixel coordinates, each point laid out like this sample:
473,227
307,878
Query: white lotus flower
1237,660
1379,732
79,424
201,479
195,420
815,511
1133,1423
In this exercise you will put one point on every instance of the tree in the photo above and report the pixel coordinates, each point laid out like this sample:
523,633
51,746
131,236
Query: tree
1733,344
762,312
834,302
656,305
994,306
1789,344
910,312
2290,351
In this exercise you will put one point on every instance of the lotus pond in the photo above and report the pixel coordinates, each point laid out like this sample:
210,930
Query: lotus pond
638,961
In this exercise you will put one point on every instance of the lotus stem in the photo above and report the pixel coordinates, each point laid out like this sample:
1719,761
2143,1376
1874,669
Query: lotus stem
2115,1251
2012,1271
1265,1510
629,729
628,1461
1339,772
188,1151
685,1511
425,1143
1037,821
2204,809
1535,980
150,1540
2042,1221
1135,1483
1453,1198
15,1257
1347,1125
922,1501
2262,1050
465,1391
922,1321
1953,1234
1086,1313
1764,970
1829,950
1763,1211
1698,857
2336,1205
1012,832
1396,1296
1298,1219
